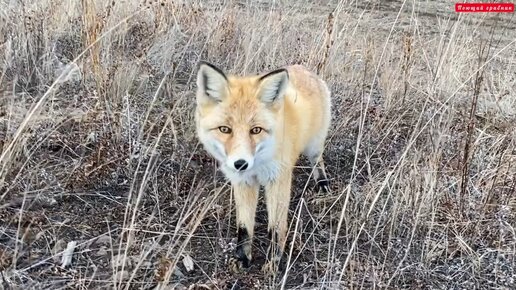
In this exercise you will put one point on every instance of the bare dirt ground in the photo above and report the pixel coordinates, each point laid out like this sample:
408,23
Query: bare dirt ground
98,145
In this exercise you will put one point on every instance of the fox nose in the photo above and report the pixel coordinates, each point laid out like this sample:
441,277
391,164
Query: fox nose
241,165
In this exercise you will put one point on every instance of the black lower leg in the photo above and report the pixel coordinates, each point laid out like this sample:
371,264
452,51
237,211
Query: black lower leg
243,247
320,177
323,184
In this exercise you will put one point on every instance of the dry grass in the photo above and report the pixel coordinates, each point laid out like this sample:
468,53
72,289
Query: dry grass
98,145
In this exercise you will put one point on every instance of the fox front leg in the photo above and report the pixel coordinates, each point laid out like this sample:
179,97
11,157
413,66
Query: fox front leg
246,199
277,199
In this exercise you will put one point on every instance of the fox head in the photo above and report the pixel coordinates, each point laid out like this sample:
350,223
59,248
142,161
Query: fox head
237,116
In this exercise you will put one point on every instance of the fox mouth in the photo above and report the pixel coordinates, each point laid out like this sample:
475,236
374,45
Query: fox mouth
241,165
236,171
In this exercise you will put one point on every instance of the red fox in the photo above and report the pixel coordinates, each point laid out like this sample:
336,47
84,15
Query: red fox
257,127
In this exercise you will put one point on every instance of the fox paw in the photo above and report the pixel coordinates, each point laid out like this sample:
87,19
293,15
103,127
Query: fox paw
237,266
270,269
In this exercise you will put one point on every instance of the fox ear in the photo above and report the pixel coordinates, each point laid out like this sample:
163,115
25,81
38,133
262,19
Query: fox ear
211,82
273,86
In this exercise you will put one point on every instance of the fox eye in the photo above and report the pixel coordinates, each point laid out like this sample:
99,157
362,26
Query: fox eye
256,130
225,130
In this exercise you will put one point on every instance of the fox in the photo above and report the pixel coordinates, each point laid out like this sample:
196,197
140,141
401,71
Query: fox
257,127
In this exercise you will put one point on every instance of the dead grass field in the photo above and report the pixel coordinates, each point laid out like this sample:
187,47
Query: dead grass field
98,145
